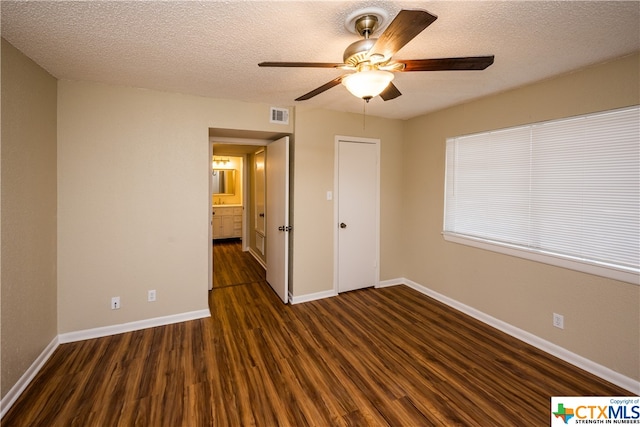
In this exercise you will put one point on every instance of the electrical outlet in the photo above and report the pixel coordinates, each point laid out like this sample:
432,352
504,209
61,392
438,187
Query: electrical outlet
558,320
151,295
115,303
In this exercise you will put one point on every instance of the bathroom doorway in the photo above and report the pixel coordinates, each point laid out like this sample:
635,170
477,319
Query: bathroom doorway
235,259
248,251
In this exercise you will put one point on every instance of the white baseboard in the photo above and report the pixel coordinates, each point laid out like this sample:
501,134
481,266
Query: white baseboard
544,345
311,297
131,326
12,395
392,282
331,293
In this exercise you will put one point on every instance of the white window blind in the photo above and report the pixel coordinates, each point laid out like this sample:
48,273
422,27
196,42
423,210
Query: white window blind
569,189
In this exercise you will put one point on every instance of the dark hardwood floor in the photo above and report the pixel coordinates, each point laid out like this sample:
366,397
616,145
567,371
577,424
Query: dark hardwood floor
232,267
373,357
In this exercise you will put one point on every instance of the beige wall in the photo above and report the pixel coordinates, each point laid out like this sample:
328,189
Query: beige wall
133,199
28,219
313,176
602,316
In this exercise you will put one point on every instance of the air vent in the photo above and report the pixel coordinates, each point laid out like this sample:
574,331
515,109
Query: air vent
279,115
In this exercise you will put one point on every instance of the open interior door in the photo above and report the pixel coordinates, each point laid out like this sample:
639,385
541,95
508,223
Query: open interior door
277,228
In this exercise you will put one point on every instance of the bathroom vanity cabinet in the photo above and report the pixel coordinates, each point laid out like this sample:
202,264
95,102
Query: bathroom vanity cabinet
227,222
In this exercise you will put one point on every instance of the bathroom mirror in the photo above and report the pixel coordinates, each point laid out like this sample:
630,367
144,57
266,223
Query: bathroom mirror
223,181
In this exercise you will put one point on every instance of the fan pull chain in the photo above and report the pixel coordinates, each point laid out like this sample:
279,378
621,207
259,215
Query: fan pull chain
364,114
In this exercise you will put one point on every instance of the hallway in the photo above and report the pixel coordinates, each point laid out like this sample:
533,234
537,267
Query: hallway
232,266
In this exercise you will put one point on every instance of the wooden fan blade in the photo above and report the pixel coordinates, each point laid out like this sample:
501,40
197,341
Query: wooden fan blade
448,64
321,89
406,25
390,92
302,64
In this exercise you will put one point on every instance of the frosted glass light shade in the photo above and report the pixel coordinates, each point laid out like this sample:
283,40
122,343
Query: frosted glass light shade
367,84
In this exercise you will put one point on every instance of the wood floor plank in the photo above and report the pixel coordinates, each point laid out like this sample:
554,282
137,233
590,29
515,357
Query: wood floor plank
232,266
373,357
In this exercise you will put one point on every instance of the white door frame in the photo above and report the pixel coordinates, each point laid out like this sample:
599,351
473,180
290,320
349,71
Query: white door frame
210,210
336,208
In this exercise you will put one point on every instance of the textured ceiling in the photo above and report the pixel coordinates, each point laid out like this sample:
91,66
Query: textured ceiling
212,48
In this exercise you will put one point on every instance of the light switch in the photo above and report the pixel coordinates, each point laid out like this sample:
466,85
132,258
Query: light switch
329,195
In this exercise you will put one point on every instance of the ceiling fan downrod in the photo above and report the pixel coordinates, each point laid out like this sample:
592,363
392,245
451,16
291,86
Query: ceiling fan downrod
366,25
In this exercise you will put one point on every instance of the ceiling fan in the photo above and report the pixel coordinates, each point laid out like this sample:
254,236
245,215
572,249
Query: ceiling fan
371,58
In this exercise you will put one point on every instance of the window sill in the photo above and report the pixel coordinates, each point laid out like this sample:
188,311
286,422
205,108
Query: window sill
629,276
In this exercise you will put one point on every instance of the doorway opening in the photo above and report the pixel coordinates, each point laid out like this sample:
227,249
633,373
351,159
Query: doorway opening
239,208
237,252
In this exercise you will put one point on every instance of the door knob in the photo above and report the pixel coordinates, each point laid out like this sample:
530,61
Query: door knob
343,225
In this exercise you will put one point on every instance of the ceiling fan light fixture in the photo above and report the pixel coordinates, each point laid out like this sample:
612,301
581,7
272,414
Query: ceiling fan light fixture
367,84
371,58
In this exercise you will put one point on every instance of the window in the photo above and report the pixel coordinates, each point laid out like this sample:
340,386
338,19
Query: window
565,192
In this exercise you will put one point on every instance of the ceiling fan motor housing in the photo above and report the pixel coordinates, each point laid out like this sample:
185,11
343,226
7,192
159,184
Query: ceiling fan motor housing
357,52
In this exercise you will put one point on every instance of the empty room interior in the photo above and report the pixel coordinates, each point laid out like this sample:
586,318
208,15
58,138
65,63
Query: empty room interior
209,216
